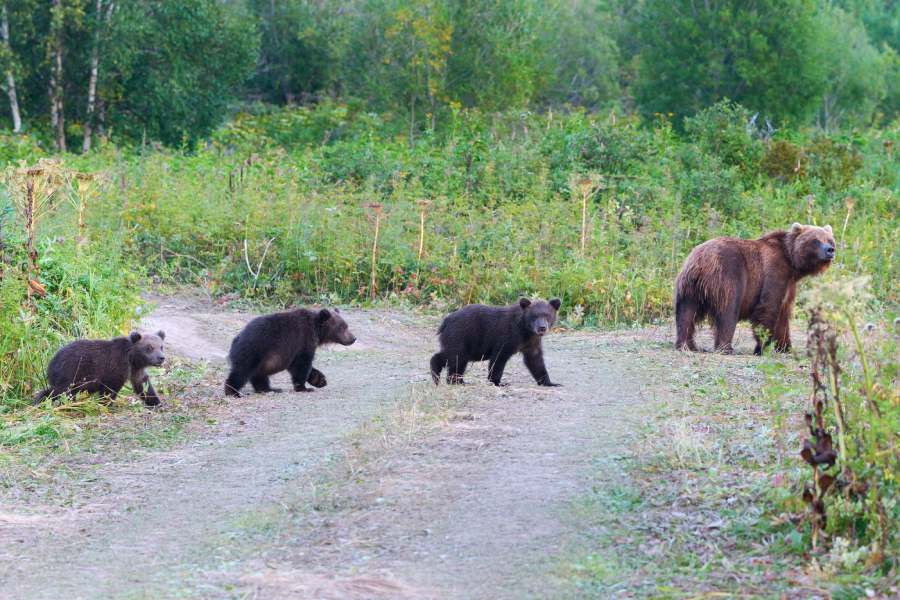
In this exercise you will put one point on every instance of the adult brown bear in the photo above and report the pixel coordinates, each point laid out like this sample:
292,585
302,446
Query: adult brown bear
730,280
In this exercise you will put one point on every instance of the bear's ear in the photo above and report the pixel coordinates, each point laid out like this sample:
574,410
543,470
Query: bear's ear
161,334
135,337
524,302
324,315
827,228
796,227
555,303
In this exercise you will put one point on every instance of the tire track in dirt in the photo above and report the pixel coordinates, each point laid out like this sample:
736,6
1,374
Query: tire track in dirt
143,528
478,506
482,506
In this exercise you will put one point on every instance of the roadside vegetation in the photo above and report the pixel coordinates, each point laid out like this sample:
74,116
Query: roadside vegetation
431,154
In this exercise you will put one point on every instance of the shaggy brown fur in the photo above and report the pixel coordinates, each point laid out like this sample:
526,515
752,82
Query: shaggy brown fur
285,340
103,367
730,280
494,333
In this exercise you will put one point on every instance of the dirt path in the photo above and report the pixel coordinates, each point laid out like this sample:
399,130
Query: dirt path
377,486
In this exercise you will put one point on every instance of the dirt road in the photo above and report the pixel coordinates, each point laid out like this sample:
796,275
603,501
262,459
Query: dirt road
378,485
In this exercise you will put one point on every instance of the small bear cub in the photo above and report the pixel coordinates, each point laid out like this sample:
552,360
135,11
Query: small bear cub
494,333
103,366
286,340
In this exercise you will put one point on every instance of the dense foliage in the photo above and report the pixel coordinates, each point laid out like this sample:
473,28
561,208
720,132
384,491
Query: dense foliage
169,71
497,147
278,206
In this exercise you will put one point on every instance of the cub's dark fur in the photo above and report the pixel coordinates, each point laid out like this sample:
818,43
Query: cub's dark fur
285,340
494,333
103,367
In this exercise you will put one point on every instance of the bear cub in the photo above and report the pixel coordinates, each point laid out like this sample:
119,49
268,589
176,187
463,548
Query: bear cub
730,280
103,366
494,333
285,340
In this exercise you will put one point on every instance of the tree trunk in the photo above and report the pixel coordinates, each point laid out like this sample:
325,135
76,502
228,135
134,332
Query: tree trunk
10,77
57,109
95,73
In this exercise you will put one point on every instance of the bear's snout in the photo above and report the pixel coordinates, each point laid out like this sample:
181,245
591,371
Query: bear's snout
540,327
348,340
827,251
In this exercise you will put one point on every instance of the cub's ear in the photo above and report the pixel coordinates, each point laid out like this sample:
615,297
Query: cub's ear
796,227
524,302
324,315
161,334
827,228
135,337
555,303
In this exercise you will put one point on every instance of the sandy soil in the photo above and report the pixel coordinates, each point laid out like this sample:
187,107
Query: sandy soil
379,485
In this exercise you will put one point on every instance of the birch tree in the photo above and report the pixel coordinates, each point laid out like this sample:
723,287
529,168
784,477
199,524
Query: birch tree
8,58
102,12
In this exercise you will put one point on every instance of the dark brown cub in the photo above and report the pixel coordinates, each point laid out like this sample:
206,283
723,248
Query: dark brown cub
495,333
284,341
103,367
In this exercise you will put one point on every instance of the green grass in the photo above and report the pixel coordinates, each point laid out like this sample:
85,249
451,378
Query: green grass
709,496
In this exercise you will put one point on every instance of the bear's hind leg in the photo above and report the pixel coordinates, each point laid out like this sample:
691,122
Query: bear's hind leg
260,383
438,362
456,366
726,322
686,317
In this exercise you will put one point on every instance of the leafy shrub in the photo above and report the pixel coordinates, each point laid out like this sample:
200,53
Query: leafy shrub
726,130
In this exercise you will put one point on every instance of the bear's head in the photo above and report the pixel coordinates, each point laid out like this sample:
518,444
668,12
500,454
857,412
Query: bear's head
811,248
147,349
538,316
333,329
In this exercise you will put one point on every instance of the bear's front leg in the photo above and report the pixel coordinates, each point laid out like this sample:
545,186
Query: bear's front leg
534,360
495,368
782,335
300,371
316,378
149,397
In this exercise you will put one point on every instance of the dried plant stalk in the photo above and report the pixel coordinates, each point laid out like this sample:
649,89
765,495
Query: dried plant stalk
84,188
33,191
377,208
423,206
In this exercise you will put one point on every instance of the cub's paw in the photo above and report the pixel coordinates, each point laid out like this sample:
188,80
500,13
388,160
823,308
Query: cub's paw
316,379
151,400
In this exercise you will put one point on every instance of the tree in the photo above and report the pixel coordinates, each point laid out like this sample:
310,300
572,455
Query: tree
495,55
297,49
580,54
102,13
764,54
63,14
8,59
856,75
175,66
881,19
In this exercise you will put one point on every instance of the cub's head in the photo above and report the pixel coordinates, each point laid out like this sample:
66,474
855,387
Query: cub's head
147,348
333,329
539,316
812,247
